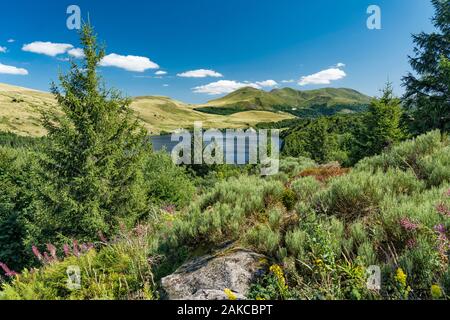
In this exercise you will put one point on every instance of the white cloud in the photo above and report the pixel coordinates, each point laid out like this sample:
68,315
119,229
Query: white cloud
267,83
323,77
11,40
288,81
228,86
160,73
4,69
76,53
165,85
129,63
47,48
340,65
200,73
2,49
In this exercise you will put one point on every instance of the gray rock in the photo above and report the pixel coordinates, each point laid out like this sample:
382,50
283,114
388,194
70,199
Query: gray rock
207,277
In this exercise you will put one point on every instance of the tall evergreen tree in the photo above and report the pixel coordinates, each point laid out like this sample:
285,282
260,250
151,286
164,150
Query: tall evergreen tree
382,124
92,164
428,94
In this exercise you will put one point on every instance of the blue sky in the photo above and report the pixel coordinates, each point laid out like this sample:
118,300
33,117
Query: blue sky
235,42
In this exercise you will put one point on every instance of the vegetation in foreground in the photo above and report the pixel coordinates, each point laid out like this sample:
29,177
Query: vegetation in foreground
91,194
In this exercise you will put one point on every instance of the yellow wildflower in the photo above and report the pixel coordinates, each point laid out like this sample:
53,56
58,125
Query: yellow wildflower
230,294
401,277
279,274
436,291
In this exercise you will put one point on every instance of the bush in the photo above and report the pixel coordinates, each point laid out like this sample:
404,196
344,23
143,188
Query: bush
224,212
360,193
117,271
263,239
306,188
166,183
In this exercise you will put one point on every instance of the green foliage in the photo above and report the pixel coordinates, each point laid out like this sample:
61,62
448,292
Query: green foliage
16,206
359,194
263,239
116,272
428,90
325,139
167,183
426,155
93,156
382,126
222,213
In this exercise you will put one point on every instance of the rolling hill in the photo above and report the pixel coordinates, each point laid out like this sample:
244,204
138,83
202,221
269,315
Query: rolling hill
325,101
19,113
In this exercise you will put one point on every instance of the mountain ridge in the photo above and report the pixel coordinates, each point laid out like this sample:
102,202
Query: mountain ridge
290,100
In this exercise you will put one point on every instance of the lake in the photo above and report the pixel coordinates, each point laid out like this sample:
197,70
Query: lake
164,142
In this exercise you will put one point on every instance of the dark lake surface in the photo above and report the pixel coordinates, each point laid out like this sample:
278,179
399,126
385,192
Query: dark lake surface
164,142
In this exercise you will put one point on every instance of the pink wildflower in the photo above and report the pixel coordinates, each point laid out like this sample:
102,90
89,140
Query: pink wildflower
37,253
8,272
443,209
52,250
102,237
411,243
66,249
76,250
408,225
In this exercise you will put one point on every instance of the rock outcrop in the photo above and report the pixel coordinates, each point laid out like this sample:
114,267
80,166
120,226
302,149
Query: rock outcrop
207,277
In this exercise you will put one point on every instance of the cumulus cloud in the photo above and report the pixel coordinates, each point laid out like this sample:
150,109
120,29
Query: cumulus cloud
288,81
160,73
323,77
2,49
11,40
200,73
228,86
4,69
129,63
48,48
76,53
267,83
340,65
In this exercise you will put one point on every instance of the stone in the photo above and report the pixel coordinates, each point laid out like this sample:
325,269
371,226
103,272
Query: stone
207,277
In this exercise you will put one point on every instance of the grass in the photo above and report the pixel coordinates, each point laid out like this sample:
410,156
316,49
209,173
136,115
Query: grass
19,113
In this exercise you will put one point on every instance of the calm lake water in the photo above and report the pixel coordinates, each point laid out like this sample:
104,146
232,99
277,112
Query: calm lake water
164,143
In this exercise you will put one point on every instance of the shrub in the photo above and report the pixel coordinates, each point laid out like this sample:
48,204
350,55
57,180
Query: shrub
165,182
225,211
117,271
306,188
263,239
360,193
405,155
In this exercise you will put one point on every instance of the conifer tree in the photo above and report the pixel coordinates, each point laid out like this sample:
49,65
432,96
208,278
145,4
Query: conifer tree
382,124
428,93
92,164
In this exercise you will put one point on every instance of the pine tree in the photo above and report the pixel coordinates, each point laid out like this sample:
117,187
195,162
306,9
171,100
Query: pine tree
92,164
428,94
382,124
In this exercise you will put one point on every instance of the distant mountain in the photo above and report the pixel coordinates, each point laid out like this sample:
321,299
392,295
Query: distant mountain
19,113
299,103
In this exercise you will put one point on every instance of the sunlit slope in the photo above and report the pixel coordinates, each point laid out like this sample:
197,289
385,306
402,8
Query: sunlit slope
164,114
19,109
19,113
322,101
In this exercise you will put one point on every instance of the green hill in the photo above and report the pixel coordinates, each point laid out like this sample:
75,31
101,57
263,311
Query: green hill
20,113
325,101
